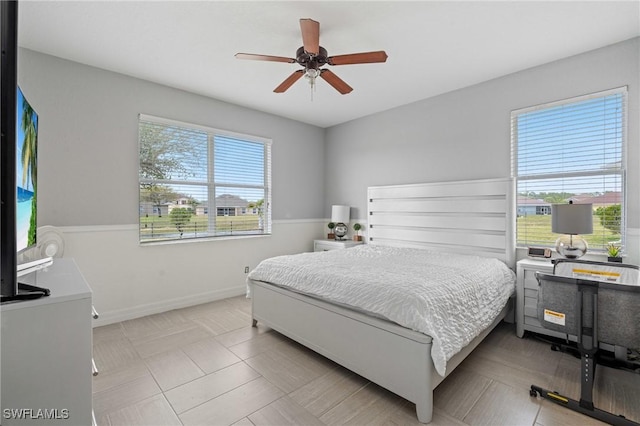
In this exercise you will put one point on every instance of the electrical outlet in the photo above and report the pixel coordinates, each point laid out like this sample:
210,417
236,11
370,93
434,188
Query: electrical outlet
246,269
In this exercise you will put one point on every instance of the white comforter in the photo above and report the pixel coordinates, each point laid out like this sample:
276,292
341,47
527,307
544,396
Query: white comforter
450,297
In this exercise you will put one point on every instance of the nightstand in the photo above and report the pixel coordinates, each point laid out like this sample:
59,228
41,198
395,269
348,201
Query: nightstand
527,296
325,245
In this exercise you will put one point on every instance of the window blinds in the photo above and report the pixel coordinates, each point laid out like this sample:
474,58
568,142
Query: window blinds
571,150
198,182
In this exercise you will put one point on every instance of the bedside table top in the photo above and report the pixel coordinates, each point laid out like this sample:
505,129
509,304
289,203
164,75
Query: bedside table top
339,242
535,263
325,245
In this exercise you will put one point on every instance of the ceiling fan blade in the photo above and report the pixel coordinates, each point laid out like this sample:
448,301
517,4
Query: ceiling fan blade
358,58
310,35
289,81
335,81
264,58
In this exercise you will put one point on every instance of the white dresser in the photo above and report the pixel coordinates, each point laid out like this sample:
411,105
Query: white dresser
46,351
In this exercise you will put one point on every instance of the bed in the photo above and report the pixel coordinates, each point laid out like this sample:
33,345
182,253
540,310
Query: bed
450,219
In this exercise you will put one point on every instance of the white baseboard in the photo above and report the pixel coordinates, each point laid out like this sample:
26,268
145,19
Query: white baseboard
111,260
111,317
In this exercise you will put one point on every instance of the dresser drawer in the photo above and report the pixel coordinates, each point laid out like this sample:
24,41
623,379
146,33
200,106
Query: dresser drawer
527,291
531,311
529,320
530,280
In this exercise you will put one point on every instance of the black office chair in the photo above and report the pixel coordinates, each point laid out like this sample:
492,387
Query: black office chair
595,302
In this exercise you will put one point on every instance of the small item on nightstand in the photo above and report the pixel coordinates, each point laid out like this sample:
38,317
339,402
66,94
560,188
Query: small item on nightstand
539,252
614,253
357,227
331,235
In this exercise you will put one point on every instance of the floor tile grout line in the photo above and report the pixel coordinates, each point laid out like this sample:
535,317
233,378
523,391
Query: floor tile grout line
478,398
224,393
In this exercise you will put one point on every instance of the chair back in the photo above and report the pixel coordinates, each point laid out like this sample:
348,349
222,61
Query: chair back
611,272
602,297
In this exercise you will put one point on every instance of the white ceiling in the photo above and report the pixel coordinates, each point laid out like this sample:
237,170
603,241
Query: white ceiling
433,46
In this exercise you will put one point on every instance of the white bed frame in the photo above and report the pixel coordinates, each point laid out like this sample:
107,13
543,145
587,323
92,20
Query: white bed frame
463,217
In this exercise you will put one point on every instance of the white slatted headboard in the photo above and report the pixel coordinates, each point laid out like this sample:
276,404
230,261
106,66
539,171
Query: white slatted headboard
471,217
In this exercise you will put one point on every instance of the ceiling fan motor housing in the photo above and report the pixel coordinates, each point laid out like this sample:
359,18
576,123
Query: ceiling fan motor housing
311,61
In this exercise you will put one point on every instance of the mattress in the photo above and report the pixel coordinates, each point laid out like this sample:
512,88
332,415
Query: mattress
450,297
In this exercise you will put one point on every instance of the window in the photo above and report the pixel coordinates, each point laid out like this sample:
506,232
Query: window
187,171
571,150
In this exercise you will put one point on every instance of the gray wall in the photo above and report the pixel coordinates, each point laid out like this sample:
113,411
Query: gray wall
465,134
88,136
88,186
88,142
88,166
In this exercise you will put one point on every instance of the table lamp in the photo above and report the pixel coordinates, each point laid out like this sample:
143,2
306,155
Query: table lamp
571,220
340,216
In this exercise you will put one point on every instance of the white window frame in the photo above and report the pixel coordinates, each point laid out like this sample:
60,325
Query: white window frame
210,208
621,171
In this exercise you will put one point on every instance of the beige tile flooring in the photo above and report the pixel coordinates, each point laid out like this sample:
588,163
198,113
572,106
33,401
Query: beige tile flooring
205,365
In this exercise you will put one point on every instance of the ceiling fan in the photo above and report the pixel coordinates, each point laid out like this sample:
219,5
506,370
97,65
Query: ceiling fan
312,57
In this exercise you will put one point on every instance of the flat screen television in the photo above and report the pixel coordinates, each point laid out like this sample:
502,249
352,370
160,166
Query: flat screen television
18,165
26,197
26,173
27,184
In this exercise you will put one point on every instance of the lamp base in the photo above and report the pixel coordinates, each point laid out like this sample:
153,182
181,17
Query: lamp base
571,246
341,231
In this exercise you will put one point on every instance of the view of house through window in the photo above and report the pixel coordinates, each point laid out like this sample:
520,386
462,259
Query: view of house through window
199,182
572,150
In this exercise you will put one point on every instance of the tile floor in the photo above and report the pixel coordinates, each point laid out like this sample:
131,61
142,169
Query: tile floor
205,365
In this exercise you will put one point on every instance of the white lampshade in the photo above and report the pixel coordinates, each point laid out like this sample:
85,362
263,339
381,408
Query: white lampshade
340,214
572,219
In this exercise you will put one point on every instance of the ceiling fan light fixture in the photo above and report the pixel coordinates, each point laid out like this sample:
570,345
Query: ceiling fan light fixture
311,74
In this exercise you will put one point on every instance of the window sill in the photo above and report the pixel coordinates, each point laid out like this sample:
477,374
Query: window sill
202,240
